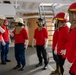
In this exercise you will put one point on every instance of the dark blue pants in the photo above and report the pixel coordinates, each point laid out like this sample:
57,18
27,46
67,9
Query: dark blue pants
0,46
4,52
20,54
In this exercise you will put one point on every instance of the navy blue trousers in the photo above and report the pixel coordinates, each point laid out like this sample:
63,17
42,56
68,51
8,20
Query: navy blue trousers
20,54
4,52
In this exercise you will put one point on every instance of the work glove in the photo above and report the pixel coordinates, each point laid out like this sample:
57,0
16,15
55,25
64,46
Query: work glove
63,52
55,51
3,42
10,41
46,43
33,42
26,44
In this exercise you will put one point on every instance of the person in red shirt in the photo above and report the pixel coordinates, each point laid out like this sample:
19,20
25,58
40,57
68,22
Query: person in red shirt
5,48
21,43
41,38
1,32
2,41
62,39
71,45
54,45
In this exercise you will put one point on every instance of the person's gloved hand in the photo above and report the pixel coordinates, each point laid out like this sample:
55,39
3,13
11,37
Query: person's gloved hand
55,52
45,46
46,43
33,42
63,52
9,41
3,42
26,44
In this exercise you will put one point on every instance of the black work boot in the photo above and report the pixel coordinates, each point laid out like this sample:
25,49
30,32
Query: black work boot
16,67
3,63
39,64
22,68
45,67
7,60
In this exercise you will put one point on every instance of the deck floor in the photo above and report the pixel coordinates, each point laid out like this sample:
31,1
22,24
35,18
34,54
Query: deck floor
31,61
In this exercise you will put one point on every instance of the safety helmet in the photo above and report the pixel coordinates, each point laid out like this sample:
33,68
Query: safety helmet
6,22
72,7
2,17
61,16
72,12
19,20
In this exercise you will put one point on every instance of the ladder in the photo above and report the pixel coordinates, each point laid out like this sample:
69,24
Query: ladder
46,11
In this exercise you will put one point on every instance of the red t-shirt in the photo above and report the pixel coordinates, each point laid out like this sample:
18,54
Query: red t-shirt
5,34
62,39
71,46
40,36
55,39
21,36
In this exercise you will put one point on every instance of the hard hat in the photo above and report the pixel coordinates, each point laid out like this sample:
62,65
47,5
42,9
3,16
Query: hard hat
5,22
2,17
65,20
19,20
72,7
61,16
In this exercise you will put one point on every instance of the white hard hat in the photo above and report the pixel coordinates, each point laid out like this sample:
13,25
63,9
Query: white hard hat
20,20
2,17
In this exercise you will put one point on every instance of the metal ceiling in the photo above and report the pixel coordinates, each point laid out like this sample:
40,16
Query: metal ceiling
31,6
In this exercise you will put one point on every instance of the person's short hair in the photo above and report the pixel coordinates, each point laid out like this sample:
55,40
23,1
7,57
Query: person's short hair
40,19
